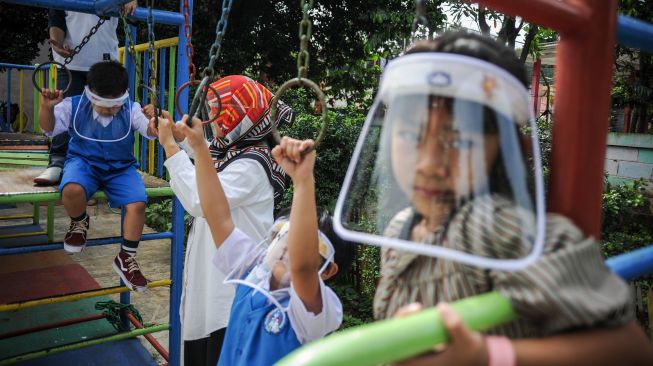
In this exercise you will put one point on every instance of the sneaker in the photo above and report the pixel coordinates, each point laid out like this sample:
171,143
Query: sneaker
127,267
75,239
51,176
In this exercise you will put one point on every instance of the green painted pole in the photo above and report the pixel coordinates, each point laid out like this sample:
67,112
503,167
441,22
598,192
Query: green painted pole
392,340
54,196
36,216
93,342
50,222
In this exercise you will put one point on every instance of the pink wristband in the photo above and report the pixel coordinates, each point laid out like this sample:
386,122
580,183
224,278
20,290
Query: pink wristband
500,351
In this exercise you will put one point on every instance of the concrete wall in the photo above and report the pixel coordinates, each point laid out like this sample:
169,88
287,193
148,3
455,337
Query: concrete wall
629,156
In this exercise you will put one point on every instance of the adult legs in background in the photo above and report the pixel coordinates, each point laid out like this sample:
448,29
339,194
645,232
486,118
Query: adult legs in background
204,351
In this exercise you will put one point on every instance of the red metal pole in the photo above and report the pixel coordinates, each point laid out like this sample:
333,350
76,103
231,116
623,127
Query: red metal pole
535,86
562,16
582,105
39,328
157,346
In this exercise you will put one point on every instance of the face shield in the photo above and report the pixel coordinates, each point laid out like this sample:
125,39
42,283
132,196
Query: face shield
440,167
271,259
102,119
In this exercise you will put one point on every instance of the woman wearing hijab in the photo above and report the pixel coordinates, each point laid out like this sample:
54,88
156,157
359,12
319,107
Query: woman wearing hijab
252,181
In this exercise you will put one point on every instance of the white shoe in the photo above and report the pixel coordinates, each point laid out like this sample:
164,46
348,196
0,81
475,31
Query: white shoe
49,177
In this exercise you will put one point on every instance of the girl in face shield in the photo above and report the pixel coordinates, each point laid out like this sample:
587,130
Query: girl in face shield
281,300
442,167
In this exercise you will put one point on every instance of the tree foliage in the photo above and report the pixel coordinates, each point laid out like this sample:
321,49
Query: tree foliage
634,73
23,28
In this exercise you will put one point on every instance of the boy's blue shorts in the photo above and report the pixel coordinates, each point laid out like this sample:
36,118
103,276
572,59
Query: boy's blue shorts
121,186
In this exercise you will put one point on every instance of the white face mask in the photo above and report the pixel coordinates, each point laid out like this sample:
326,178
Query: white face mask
275,258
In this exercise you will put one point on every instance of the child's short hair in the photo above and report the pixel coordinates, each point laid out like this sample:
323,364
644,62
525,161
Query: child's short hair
345,251
108,79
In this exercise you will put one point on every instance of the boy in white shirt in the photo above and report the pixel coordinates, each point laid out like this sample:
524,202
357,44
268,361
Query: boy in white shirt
101,123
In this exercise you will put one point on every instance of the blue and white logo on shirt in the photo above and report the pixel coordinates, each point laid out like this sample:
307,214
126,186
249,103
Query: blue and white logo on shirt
275,321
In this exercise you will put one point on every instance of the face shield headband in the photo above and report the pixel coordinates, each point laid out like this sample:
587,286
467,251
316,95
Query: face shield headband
458,78
105,102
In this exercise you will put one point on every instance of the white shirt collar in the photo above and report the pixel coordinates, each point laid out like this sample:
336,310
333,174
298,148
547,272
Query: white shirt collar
104,120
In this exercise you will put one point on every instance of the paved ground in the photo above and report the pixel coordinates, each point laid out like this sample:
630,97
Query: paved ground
153,257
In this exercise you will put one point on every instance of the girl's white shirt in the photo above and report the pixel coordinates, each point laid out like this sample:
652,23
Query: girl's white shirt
205,300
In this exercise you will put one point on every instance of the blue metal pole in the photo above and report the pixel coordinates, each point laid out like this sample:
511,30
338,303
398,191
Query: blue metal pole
635,33
89,243
162,92
146,100
182,62
7,126
125,297
634,264
176,271
82,6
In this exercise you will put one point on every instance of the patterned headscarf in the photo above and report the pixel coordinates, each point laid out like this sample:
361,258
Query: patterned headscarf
244,118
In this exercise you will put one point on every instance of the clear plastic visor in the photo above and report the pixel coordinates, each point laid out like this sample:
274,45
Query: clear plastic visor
101,123
444,177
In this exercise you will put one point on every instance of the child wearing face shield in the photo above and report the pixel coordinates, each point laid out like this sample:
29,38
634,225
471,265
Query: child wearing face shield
281,301
101,123
443,169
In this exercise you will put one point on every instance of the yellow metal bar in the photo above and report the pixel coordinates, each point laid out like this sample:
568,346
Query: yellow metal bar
22,235
52,74
21,103
15,217
77,296
162,43
150,159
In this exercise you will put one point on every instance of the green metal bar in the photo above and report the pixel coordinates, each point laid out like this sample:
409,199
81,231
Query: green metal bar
54,196
50,221
23,155
93,342
137,147
24,162
37,128
36,216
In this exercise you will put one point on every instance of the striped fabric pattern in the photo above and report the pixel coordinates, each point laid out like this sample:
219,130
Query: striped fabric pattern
569,287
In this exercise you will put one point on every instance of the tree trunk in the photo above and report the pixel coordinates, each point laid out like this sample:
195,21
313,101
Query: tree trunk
532,31
480,19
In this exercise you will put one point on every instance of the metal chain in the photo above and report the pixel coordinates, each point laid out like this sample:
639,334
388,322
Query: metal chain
420,18
84,41
188,32
216,47
305,28
150,39
130,44
208,74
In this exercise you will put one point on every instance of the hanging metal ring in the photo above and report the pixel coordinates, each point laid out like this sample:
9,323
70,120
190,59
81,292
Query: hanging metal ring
196,82
38,67
321,96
